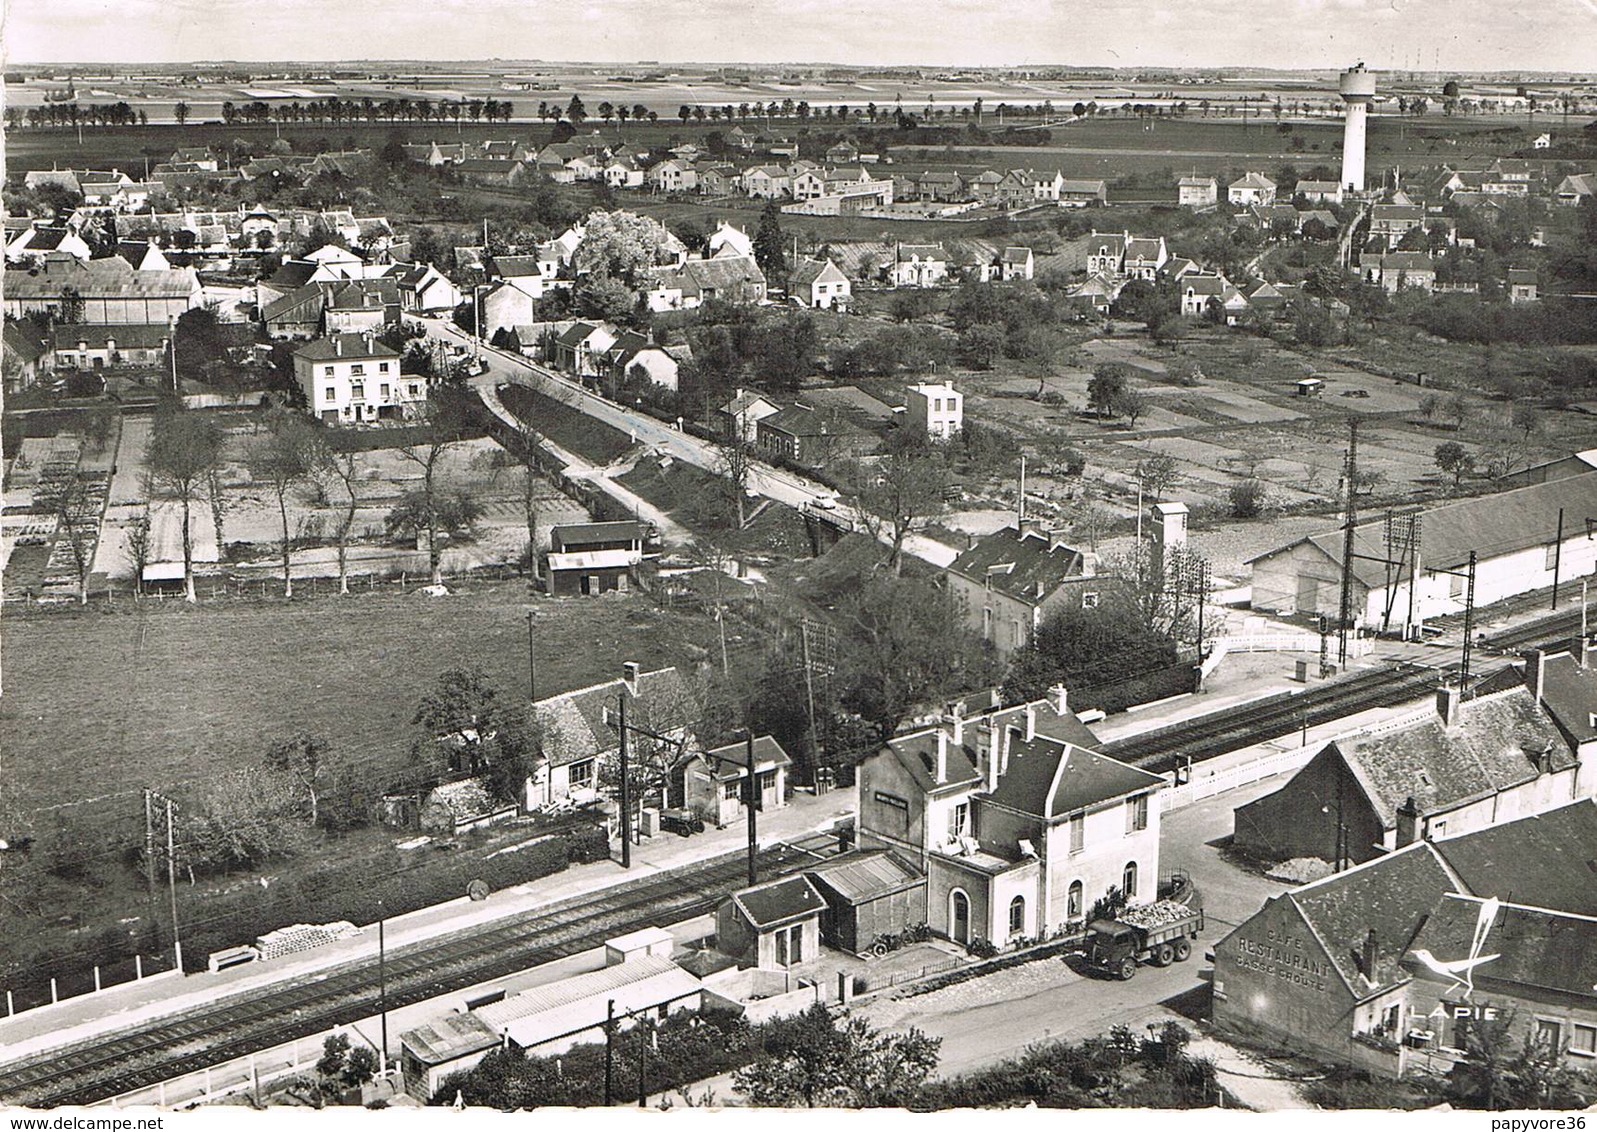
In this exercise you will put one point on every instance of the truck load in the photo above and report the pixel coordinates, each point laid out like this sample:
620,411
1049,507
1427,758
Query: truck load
1160,933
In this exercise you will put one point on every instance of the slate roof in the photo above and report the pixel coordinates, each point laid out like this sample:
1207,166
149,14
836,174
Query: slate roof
1195,182
26,344
574,723
1569,695
722,273
1521,277
353,346
1143,249
779,902
730,762
1396,213
862,876
1053,780
807,271
128,336
1082,186
1489,750
1327,187
576,534
303,304
576,334
516,266
802,421
292,275
362,294
111,278
1390,894
1020,564
1548,860
465,799
1536,949
1493,525
1253,181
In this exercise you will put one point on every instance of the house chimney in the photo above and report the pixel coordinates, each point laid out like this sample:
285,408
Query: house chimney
1031,722
1059,699
1448,704
1369,954
338,345
942,756
956,721
1006,738
1535,672
1408,822
988,739
629,676
1578,648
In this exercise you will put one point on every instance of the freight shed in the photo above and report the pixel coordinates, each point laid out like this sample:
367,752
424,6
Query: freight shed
868,895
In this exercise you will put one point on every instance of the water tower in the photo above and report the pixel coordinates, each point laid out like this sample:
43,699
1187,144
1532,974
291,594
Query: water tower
1358,91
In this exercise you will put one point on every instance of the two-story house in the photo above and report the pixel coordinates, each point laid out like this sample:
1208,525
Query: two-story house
936,410
1197,192
819,284
1252,188
918,265
1006,584
1016,822
354,379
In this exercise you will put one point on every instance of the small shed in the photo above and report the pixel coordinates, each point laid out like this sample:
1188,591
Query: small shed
455,807
714,780
644,942
772,925
453,1043
1311,387
868,895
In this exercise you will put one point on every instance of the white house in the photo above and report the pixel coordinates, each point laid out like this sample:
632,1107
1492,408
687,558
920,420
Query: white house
918,265
819,284
729,240
355,379
936,410
1197,192
1253,188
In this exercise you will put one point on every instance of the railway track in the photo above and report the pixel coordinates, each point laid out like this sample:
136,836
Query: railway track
1221,732
171,1047
1556,629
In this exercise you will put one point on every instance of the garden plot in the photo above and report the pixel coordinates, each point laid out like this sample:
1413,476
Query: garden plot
1232,401
1385,395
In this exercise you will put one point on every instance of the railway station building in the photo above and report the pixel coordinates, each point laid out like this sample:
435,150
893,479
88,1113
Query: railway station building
1388,964
1402,579
1461,766
1016,823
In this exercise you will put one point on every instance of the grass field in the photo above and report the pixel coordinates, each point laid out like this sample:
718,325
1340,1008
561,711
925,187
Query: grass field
571,429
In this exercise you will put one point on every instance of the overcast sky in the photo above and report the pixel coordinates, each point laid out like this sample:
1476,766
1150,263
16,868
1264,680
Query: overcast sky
1542,35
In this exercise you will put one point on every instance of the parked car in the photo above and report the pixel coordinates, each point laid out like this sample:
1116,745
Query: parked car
683,823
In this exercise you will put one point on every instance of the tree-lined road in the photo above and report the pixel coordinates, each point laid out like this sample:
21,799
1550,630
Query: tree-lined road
774,483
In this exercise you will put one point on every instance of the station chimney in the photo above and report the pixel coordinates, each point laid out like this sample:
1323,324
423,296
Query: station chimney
1358,91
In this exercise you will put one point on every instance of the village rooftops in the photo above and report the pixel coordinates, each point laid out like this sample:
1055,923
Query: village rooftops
1522,277
780,902
127,336
1569,694
339,346
1049,780
1504,522
112,277
1253,181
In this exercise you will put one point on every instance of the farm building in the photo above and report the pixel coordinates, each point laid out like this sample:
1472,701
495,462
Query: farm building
594,558
1514,535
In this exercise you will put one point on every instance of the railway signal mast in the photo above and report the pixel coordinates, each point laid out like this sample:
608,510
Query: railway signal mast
1350,477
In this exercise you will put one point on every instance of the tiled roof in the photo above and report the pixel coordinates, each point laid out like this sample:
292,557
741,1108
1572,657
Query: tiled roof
807,271
731,761
918,755
1023,565
1390,895
111,278
1502,523
465,799
1049,779
347,346
1492,748
801,421
1548,860
128,336
1522,276
779,902
1543,951
576,534
302,304
1569,695
723,272
581,724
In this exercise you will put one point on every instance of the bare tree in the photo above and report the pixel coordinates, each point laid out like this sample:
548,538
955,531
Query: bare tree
330,466
904,490
77,520
282,457
136,548
735,460
185,451
525,446
444,421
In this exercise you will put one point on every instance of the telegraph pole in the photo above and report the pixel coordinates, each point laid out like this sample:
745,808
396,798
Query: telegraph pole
609,1052
1469,626
532,662
382,978
1558,556
1345,612
753,801
171,884
626,804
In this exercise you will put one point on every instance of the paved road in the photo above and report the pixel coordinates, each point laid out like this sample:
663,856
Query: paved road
774,483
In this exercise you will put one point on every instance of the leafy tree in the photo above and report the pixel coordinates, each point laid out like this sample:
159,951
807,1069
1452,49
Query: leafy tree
819,1063
137,548
621,244
242,819
1158,472
982,343
602,296
185,451
283,457
1106,387
452,512
784,351
1454,459
1247,498
302,758
1131,404
474,732
770,249
1092,647
575,110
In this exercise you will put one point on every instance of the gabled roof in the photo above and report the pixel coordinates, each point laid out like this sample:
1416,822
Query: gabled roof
907,252
23,341
1548,860
1144,249
110,278
1049,779
1494,746
576,334
1329,187
465,799
780,902
1253,181
303,304
1391,895
581,724
1023,564
917,753
730,762
1522,277
127,336
1192,181
1395,213
807,272
745,400
802,421
1569,696
1499,524
449,1037
1017,256
722,272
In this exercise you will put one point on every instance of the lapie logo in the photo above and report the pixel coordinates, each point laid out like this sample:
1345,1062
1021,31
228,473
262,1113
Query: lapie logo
1462,971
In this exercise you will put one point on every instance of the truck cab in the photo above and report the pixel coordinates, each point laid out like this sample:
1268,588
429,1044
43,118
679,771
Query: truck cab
1112,945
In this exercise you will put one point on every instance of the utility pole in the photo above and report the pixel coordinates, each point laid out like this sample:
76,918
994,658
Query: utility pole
382,977
609,1052
626,801
753,799
532,662
1345,610
1558,557
149,846
643,1047
1469,627
809,688
171,884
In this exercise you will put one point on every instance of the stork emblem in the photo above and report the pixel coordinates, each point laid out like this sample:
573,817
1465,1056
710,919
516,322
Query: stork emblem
1462,971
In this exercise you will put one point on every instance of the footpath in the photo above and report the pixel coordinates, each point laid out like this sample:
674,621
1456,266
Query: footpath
129,1005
